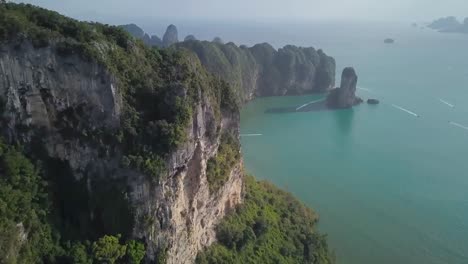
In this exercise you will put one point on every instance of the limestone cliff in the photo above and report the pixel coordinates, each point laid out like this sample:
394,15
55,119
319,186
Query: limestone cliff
171,36
450,25
190,37
134,145
345,95
45,93
260,70
137,32
263,71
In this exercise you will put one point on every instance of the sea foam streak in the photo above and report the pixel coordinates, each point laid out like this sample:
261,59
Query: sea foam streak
447,103
365,89
251,135
458,125
304,105
405,110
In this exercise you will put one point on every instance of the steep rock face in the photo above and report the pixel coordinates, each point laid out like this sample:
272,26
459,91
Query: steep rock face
43,91
263,71
183,206
190,37
218,40
345,95
137,32
171,36
134,30
450,25
33,80
445,24
153,41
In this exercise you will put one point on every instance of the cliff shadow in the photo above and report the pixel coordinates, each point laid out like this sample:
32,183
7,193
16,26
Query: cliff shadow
344,120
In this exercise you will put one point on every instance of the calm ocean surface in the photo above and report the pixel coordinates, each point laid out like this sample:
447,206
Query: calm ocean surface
390,187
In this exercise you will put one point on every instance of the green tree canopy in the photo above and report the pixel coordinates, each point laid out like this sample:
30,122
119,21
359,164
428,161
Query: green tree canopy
135,252
108,249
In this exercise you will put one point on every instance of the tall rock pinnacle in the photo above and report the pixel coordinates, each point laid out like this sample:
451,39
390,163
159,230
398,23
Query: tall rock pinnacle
345,95
171,36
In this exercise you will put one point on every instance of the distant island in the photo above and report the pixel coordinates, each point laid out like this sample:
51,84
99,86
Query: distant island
450,24
389,41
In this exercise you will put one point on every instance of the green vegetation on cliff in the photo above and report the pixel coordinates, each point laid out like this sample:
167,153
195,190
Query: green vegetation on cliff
158,86
229,62
264,71
52,214
270,227
26,232
219,167
24,208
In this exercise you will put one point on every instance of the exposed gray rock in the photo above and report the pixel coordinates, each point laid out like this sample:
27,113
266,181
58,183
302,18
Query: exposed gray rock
155,41
179,213
190,37
345,95
218,40
446,24
171,36
134,30
137,32
450,25
264,71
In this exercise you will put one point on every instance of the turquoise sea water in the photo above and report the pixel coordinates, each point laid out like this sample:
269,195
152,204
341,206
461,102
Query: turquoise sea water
389,187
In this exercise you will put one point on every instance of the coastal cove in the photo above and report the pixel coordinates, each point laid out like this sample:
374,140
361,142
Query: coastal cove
294,141
388,181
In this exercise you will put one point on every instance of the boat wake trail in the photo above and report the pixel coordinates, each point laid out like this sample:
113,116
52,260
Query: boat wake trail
405,110
304,105
458,125
365,89
251,135
447,103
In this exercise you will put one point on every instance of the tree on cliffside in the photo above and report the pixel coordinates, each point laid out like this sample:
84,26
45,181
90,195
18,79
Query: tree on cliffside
108,249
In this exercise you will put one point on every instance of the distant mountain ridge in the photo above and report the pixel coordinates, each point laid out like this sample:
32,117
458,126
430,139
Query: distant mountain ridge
260,70
171,36
139,33
450,24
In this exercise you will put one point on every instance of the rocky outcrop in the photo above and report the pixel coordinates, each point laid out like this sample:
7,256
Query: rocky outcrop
261,70
450,25
171,36
126,136
218,40
264,71
43,90
373,101
137,32
153,41
345,95
38,85
134,30
190,37
184,211
445,24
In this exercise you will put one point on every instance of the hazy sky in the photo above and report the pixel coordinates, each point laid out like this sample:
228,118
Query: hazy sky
386,10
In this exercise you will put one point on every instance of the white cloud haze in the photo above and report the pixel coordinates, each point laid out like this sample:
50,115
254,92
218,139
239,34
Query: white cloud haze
384,10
